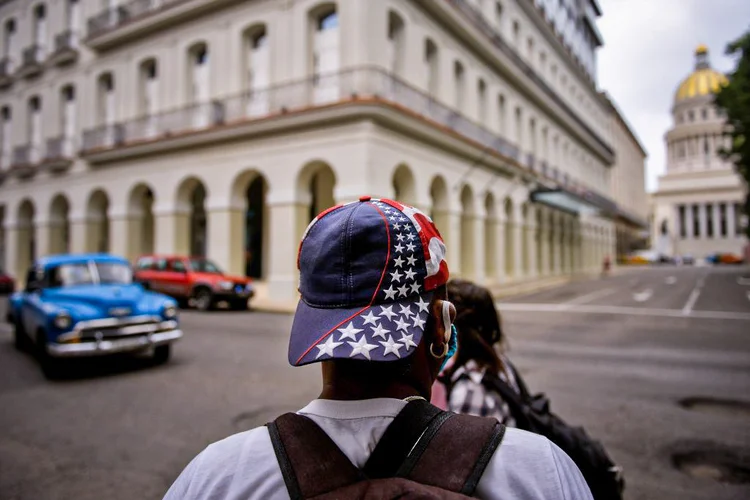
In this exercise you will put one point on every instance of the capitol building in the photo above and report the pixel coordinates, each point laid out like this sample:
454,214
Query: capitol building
697,206
222,127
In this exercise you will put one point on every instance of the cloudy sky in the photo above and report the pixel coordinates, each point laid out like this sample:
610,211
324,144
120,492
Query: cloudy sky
648,50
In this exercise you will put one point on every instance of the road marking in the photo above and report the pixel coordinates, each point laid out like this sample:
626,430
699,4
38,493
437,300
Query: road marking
691,302
628,311
643,296
598,294
743,281
671,280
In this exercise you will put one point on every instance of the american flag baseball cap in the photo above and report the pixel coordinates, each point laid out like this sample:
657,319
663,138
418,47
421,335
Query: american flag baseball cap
368,271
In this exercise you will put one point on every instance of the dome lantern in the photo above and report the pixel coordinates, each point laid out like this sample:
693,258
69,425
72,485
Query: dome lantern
703,80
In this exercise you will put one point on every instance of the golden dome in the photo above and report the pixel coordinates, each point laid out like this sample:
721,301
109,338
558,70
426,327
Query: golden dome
703,81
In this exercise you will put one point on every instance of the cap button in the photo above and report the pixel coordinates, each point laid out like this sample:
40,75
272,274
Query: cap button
365,198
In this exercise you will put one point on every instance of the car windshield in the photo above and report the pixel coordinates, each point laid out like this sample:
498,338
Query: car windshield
204,266
82,274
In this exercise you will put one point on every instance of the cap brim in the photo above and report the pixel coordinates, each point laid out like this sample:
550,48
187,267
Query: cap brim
382,332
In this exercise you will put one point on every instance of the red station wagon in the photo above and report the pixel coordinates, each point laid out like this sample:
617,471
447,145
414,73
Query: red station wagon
193,280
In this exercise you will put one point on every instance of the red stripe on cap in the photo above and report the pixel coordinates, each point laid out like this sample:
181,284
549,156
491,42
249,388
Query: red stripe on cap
328,333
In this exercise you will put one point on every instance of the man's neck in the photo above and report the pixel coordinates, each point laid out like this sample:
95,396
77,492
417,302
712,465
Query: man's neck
347,391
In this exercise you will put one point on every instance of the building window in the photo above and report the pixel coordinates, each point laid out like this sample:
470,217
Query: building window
530,50
709,211
519,128
148,88
704,114
6,125
431,60
9,39
691,116
501,114
459,77
396,38
481,101
532,136
35,123
68,111
516,34
106,99
723,220
682,223
328,21
696,221
542,63
737,222
40,26
256,59
198,77
499,17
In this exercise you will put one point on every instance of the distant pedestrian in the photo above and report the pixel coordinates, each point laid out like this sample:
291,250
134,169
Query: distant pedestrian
375,312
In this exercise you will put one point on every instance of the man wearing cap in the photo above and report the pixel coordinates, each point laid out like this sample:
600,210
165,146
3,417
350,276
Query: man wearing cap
374,312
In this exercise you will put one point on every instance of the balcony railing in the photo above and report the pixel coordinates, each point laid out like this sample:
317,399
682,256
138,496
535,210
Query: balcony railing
60,147
33,61
476,17
66,48
6,71
28,154
361,83
115,17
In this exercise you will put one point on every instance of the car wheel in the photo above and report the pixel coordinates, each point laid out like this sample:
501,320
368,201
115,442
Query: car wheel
240,305
51,367
203,299
162,353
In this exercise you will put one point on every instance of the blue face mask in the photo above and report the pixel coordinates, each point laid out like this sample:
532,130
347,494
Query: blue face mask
452,346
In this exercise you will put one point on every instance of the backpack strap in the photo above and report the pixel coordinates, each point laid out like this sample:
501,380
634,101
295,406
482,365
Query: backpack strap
454,452
310,461
399,439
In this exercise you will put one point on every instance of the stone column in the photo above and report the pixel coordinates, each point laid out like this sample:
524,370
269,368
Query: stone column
500,272
702,212
281,266
11,252
531,244
121,241
689,222
78,232
225,244
480,270
171,228
717,220
42,239
544,246
453,241
518,271
731,221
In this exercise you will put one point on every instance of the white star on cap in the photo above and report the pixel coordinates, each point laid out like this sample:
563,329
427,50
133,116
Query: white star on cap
390,293
370,318
414,288
406,310
398,261
418,322
393,218
397,227
410,274
402,325
327,348
411,247
396,276
411,260
379,331
388,312
403,291
408,341
400,237
349,332
423,306
361,347
391,346
399,248
402,218
411,236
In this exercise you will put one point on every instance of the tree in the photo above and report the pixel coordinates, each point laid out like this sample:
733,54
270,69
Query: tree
734,100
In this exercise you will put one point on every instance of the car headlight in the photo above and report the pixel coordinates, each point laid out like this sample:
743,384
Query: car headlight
63,321
225,285
170,311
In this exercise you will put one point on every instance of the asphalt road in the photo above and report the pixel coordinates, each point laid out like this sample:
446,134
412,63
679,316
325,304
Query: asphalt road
616,355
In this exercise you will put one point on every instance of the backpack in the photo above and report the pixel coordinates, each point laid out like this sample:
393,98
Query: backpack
425,453
533,414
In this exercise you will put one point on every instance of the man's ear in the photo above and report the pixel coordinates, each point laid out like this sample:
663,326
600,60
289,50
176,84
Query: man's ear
441,335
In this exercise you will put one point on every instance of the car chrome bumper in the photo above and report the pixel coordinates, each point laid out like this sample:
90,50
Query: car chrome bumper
102,347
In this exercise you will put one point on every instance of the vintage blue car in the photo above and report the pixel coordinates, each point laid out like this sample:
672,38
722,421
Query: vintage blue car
88,305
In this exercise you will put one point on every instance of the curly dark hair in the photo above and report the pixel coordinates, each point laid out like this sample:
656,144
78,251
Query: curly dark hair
478,324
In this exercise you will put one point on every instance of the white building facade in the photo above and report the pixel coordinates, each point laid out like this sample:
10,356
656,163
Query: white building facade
220,128
697,206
